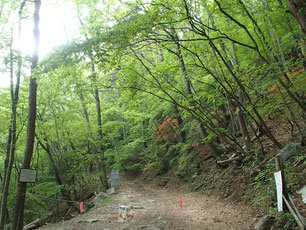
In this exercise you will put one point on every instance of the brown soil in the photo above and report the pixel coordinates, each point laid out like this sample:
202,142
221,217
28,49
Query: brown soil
159,208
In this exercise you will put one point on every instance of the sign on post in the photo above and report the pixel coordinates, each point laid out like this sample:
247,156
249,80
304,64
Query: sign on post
27,175
114,178
279,190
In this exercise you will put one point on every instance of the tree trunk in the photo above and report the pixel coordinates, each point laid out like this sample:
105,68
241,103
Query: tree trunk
22,186
175,108
100,154
297,8
243,128
57,172
241,87
187,82
94,149
12,138
10,146
100,146
182,134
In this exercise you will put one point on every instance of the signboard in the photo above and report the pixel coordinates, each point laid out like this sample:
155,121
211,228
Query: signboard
27,175
114,178
279,190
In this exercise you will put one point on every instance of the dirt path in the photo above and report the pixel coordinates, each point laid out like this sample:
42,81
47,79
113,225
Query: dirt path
161,210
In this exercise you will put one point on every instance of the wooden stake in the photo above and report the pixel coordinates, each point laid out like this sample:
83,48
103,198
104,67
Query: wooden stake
301,225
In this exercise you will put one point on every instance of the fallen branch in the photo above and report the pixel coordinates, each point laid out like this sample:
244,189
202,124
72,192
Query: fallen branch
199,186
302,219
37,223
224,163
295,215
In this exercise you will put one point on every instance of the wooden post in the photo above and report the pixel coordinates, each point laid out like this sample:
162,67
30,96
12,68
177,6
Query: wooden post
279,167
287,199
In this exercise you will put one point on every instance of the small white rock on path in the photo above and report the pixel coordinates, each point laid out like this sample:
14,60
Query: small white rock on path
159,208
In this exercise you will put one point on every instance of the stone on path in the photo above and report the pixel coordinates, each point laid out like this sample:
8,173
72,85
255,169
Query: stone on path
265,223
111,191
88,221
290,150
99,197
92,220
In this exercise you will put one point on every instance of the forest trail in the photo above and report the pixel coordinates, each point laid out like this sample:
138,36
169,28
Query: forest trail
159,208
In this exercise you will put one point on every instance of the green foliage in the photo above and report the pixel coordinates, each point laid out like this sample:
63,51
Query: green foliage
154,168
264,184
294,171
36,207
186,61
40,200
285,220
184,163
129,157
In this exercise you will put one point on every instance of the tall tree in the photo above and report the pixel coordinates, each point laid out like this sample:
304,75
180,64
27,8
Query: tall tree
22,186
12,137
97,149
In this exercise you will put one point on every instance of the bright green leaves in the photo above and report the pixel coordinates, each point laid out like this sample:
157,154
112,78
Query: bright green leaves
144,57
